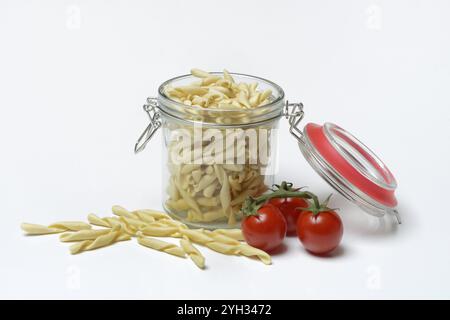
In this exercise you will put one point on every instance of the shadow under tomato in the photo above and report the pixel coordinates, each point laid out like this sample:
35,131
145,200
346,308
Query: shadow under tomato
291,235
336,253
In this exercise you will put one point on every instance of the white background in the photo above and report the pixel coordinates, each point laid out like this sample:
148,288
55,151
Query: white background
74,75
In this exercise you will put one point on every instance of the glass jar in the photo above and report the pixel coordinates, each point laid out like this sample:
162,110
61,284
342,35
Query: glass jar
215,158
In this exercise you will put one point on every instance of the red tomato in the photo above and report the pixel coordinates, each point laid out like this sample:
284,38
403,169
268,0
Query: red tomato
266,229
320,234
289,208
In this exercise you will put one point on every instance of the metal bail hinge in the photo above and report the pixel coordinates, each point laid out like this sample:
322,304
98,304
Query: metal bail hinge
395,213
294,113
155,122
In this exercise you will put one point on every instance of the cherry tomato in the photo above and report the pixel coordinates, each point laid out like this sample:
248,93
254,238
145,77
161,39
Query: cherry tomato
289,208
321,233
266,229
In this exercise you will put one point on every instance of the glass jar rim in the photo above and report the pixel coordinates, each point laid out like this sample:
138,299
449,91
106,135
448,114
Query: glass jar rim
273,104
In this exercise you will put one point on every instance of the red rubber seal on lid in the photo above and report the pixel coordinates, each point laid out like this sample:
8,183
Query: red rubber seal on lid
381,190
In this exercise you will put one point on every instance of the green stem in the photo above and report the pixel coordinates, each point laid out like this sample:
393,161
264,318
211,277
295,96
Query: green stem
316,201
286,194
251,205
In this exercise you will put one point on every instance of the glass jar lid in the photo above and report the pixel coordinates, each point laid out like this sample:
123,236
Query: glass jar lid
347,164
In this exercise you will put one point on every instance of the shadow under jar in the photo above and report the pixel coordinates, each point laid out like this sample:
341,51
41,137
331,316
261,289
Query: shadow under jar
214,158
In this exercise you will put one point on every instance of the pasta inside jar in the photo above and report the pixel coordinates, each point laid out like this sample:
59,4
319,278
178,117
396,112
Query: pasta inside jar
219,132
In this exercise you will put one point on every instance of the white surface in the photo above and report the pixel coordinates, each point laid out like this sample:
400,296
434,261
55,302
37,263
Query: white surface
71,94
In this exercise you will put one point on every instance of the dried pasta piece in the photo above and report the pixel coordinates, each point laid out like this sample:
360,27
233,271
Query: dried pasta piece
231,233
188,168
193,90
242,249
71,225
172,190
37,229
225,244
196,235
219,172
264,95
227,76
221,91
242,98
111,222
222,238
178,205
151,213
252,87
213,215
80,246
117,222
233,167
200,73
132,223
193,253
137,219
208,192
210,80
208,202
209,170
160,245
122,212
199,101
223,248
225,192
173,223
189,200
174,93
249,251
254,100
97,221
82,235
243,87
205,181
194,216
159,231
146,217
102,241
197,175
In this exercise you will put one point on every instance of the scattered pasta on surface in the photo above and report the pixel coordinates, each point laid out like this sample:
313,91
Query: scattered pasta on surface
145,225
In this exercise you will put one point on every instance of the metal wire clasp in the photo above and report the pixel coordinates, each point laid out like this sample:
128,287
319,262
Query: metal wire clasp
155,122
294,113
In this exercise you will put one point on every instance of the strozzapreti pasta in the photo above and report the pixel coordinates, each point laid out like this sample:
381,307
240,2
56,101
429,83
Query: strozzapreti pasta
58,227
103,240
193,253
145,225
160,245
210,185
